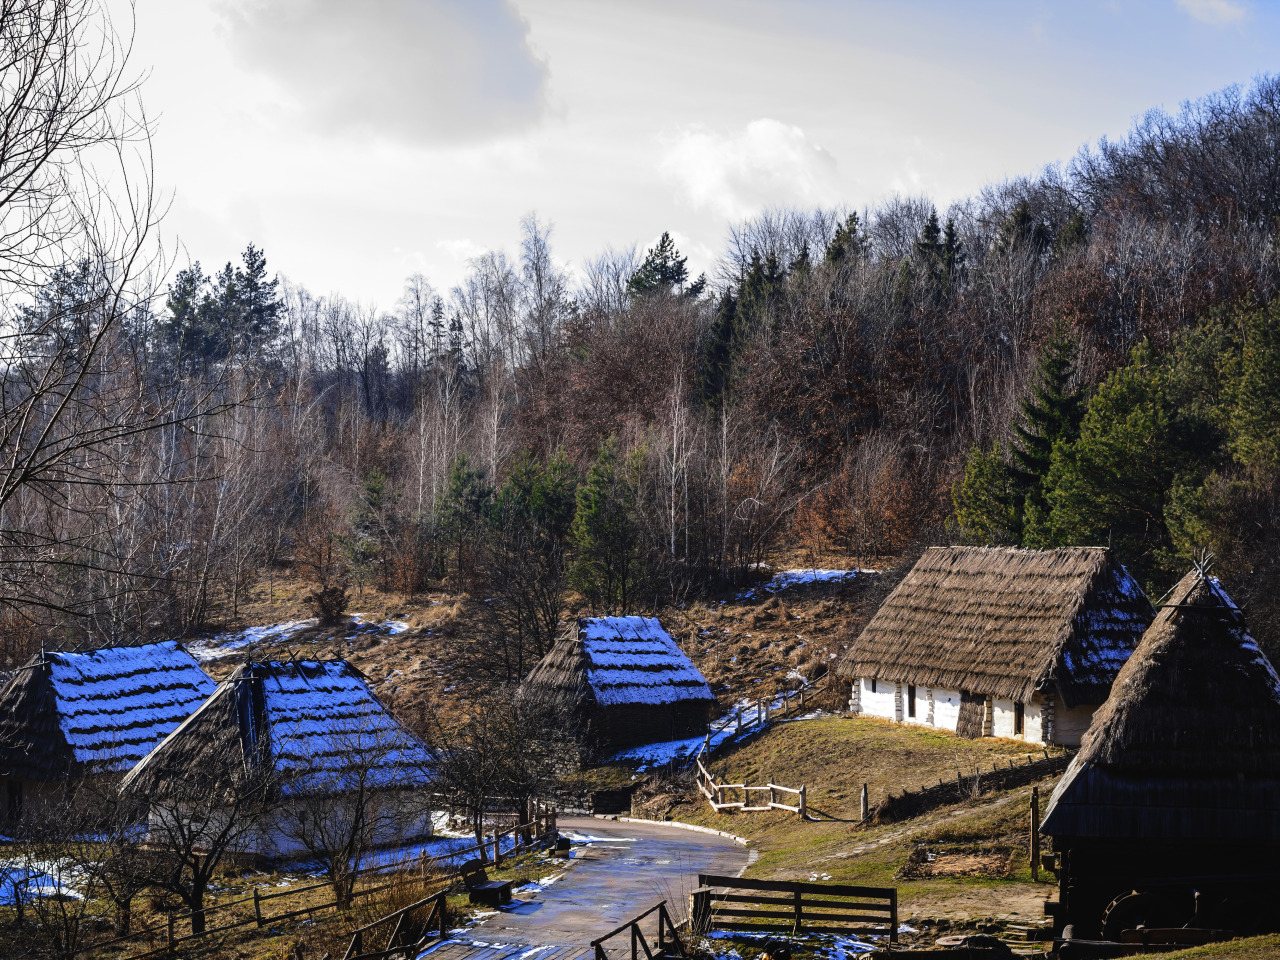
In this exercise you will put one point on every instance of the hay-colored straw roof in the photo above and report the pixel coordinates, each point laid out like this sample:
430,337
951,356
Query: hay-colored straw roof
615,661
1188,744
1005,622
97,711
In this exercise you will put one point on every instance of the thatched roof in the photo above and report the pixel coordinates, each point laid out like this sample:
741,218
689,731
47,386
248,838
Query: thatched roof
309,725
1188,743
1005,622
616,661
102,710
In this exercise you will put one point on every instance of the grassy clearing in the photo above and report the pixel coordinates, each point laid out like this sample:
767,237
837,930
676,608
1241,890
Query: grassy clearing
833,757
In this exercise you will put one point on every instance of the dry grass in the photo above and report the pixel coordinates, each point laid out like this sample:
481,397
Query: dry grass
1250,948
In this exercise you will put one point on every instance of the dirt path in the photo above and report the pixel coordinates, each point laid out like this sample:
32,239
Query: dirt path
618,870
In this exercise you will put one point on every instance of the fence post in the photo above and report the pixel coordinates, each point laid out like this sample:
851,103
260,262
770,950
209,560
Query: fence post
257,908
169,931
739,730
1035,833
699,910
497,851
771,799
865,804
804,812
798,922
893,915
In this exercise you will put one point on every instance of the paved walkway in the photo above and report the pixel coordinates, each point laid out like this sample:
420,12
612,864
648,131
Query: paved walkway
618,870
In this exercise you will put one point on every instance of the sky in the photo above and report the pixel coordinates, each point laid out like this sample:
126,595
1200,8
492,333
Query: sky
360,141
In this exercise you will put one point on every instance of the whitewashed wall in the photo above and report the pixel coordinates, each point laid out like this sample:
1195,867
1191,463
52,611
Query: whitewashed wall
946,708
882,703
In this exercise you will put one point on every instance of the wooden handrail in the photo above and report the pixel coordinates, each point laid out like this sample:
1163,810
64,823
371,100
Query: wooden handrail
817,913
666,934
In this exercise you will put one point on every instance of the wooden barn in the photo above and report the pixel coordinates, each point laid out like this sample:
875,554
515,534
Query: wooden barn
999,642
1170,813
306,729
97,712
626,681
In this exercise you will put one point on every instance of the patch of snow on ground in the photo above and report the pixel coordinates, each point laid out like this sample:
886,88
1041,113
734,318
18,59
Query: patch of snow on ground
787,579
824,946
23,881
225,644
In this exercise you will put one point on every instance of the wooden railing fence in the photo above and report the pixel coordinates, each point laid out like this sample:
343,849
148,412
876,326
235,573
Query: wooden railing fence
667,944
716,793
736,903
402,940
912,803
526,835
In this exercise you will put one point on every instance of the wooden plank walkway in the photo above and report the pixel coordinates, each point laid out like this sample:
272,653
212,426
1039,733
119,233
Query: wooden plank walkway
457,948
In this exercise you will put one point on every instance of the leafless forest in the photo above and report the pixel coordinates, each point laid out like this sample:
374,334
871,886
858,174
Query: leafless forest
620,431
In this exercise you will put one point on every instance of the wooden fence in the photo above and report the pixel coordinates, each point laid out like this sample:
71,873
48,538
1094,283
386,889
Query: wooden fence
716,792
402,941
736,903
667,944
525,835
912,803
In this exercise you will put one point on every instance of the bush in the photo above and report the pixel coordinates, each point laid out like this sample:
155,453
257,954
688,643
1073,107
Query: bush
328,603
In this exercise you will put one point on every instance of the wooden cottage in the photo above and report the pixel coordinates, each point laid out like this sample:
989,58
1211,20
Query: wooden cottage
626,681
999,642
303,729
97,712
1170,813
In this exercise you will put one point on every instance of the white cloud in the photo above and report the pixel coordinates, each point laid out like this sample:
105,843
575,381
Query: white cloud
461,249
767,164
1214,11
418,71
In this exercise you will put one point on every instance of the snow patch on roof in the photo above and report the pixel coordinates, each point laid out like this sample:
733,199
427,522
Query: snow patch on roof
116,704
633,660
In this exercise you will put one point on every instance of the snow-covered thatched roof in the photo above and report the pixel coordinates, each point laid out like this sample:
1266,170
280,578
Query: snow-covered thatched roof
309,725
617,661
101,710
1005,622
1188,744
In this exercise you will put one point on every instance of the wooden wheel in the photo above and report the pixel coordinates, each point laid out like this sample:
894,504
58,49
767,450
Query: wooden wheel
1130,910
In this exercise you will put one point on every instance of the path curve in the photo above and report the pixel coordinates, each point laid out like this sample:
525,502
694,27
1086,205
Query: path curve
618,870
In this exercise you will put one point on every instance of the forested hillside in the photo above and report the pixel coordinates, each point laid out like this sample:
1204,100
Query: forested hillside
1087,355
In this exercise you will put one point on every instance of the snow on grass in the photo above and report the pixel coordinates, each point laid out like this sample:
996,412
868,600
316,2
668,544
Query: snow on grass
226,644
823,946
724,731
802,577
21,881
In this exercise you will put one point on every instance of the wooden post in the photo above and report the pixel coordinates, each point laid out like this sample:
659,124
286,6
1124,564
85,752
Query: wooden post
893,916
804,807
171,937
802,698
799,916
700,910
497,852
739,730
865,805
771,801
257,908
1035,833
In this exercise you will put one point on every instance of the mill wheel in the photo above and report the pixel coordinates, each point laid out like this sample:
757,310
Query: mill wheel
1130,910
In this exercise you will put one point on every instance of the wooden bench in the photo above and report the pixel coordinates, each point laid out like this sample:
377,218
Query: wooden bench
480,888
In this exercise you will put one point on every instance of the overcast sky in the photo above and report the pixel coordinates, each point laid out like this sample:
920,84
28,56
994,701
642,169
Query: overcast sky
359,141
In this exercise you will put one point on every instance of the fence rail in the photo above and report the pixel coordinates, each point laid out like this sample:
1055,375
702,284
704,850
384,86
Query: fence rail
668,939
715,793
738,903
534,831
912,803
400,941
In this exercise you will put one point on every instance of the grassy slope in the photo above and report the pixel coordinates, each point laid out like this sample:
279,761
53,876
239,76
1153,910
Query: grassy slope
1252,948
833,757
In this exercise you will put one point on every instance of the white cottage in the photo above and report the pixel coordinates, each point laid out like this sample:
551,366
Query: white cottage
999,642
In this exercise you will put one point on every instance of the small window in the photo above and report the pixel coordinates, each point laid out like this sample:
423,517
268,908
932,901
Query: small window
1018,718
873,684
911,700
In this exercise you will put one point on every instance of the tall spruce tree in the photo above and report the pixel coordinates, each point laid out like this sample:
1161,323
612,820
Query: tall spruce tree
662,271
1049,416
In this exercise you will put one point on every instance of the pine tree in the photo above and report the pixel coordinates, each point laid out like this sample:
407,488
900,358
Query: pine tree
928,245
846,243
952,251
716,362
662,271
1049,416
605,533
